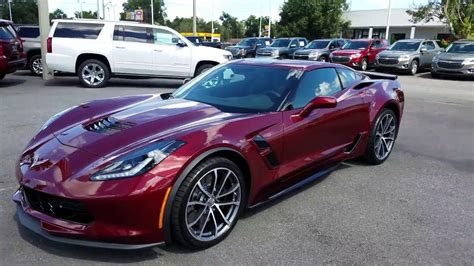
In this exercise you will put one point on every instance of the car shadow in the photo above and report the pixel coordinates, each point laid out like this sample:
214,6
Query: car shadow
10,82
454,78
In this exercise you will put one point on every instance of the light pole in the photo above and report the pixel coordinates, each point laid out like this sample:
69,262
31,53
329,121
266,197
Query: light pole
212,20
10,9
194,18
80,4
43,22
152,13
98,12
388,19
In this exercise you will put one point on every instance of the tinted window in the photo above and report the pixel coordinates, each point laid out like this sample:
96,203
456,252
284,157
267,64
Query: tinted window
405,46
281,43
294,42
28,32
161,36
319,82
135,34
247,42
461,48
317,44
303,42
341,43
430,46
118,33
78,30
239,88
377,44
347,76
5,33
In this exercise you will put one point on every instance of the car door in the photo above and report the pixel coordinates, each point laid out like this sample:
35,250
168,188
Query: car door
132,50
171,56
325,132
431,52
375,48
425,57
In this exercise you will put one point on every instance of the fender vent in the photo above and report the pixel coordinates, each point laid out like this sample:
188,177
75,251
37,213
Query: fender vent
108,125
266,151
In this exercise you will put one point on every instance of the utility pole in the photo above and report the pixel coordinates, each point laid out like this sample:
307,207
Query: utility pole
388,19
212,20
98,12
152,14
10,9
43,19
80,3
260,28
194,18
103,9
270,22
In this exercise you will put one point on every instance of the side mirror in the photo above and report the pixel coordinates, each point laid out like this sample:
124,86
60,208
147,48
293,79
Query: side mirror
320,102
186,80
180,43
423,50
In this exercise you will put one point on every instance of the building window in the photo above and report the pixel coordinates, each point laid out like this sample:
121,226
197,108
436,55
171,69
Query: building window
397,36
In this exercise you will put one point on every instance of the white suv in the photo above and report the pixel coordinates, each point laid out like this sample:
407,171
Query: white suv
96,50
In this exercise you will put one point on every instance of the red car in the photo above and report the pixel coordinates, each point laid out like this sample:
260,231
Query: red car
12,56
360,53
133,172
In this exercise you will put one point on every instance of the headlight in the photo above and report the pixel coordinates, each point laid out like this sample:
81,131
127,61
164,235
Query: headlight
355,55
275,52
243,51
55,117
469,61
313,54
139,161
404,57
228,57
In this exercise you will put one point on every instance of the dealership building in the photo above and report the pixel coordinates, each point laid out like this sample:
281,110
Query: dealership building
372,24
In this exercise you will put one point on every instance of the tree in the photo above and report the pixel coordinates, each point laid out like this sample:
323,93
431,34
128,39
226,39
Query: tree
312,18
23,11
231,27
57,14
186,24
159,10
86,14
457,14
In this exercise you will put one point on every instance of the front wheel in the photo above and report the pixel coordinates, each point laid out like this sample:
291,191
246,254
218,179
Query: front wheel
208,203
382,137
203,68
93,73
323,59
364,64
413,67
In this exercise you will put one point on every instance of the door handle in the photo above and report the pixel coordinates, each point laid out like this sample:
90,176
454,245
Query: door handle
120,47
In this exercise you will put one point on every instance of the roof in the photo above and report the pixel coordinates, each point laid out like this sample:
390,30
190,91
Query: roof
97,21
5,22
305,65
378,18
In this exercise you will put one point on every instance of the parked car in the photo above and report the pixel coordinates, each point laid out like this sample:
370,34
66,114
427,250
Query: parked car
408,55
359,53
200,41
12,56
319,50
30,35
282,48
248,47
457,60
96,50
137,171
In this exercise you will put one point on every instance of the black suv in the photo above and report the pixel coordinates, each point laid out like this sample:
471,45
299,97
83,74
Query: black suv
283,48
248,47
319,50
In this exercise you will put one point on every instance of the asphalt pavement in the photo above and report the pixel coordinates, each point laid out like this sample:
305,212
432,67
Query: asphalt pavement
416,208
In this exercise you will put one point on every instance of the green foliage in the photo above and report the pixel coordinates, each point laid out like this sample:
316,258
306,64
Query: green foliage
57,14
159,10
85,14
231,27
312,18
23,12
457,14
252,26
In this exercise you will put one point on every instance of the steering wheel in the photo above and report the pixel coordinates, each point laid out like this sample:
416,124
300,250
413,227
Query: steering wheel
273,95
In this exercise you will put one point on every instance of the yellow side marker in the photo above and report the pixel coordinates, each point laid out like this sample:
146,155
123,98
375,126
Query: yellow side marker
163,207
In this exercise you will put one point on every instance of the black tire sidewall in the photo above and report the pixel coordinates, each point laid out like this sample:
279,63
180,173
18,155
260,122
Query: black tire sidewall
203,68
101,64
179,204
370,151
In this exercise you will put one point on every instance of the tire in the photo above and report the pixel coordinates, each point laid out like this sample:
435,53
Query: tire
323,58
414,67
34,64
375,143
2,76
435,75
364,64
249,56
97,69
203,68
283,57
197,232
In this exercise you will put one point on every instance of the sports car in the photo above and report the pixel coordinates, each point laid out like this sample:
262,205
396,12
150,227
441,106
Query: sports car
137,171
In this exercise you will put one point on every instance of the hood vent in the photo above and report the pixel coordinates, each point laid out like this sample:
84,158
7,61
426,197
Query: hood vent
108,125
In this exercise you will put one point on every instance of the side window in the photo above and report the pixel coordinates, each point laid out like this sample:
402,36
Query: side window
164,37
268,42
260,43
333,45
78,30
347,76
303,42
341,43
135,34
294,43
319,82
430,45
118,33
377,44
28,32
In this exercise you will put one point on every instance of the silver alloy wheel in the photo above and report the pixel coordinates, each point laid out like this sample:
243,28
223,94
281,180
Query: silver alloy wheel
364,64
213,204
323,59
385,136
414,67
93,74
37,66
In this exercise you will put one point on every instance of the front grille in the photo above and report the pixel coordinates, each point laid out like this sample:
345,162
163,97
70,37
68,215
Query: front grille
264,54
388,61
108,125
301,57
57,207
341,59
450,64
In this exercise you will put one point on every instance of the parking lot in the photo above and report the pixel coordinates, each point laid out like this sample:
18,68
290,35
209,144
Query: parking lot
416,208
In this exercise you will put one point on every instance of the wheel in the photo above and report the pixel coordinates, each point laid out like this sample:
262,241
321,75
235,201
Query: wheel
249,56
93,73
203,68
208,203
364,64
434,74
323,58
2,76
382,137
35,66
283,56
413,67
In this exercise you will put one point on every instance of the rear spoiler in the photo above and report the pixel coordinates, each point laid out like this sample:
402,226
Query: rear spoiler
376,75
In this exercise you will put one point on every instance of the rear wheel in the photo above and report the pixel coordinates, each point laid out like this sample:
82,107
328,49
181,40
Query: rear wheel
364,64
93,73
323,58
382,137
35,65
203,68
208,203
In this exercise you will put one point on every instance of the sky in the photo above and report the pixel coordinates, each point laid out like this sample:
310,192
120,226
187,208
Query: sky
209,9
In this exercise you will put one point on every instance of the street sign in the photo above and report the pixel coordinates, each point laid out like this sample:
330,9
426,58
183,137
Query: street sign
139,15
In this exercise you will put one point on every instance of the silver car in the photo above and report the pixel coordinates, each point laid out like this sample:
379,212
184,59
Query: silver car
32,46
407,55
319,50
457,60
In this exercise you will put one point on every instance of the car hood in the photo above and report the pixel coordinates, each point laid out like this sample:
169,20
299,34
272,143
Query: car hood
347,52
397,53
454,56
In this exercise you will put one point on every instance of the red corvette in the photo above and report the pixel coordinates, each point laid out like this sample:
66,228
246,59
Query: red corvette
137,171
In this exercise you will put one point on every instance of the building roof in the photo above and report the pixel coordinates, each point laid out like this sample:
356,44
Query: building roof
378,18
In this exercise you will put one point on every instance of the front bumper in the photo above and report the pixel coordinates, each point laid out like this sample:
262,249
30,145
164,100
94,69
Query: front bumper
393,64
465,70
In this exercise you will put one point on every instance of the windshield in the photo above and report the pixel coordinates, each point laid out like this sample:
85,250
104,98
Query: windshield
405,46
247,42
317,45
356,45
239,88
461,48
281,43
